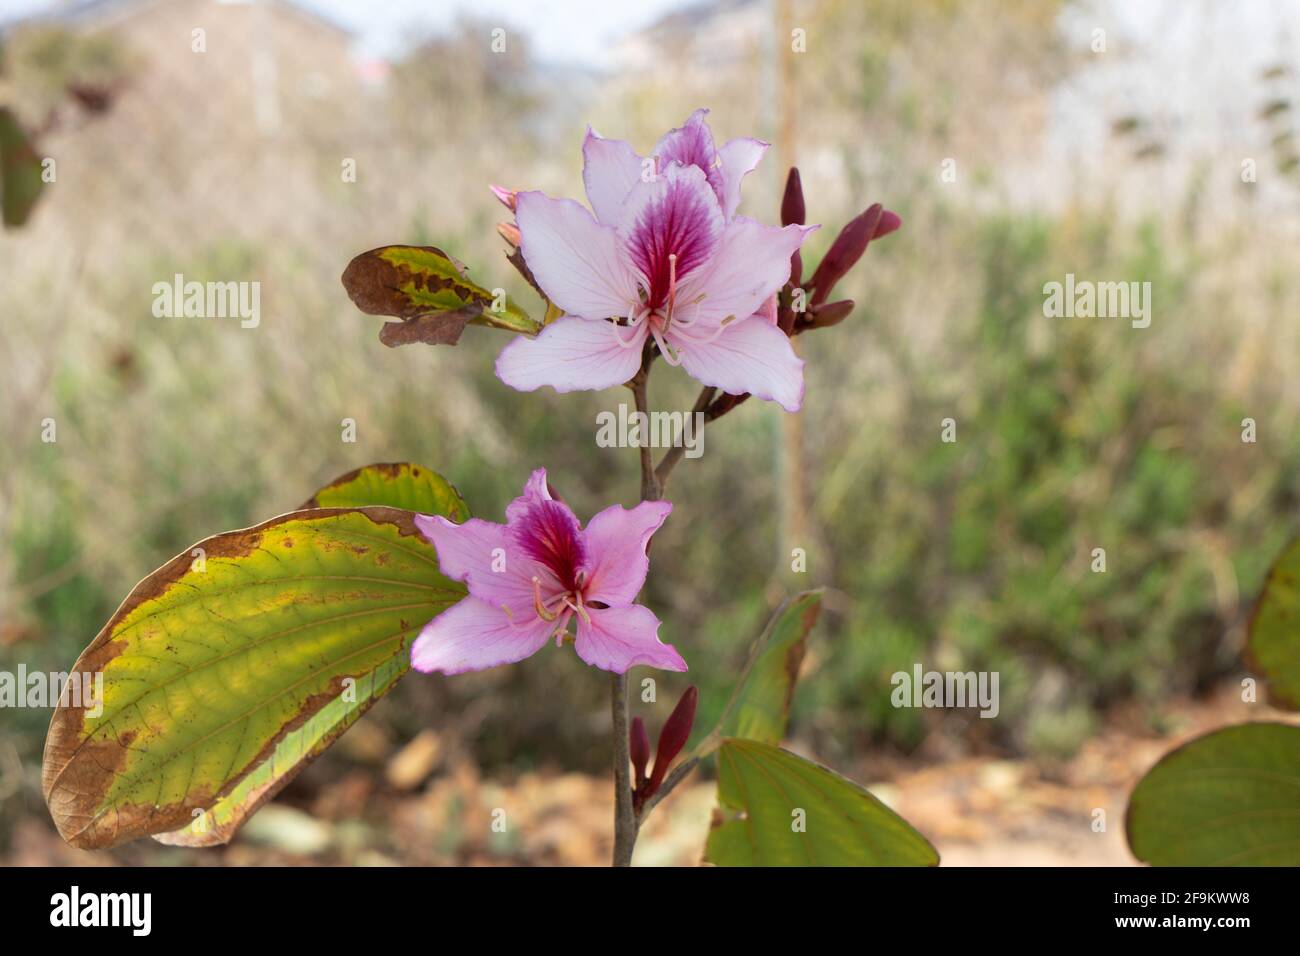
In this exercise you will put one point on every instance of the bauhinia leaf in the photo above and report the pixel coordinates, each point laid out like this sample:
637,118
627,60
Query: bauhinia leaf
1229,798
760,705
229,668
1274,648
430,292
778,809
20,171
397,485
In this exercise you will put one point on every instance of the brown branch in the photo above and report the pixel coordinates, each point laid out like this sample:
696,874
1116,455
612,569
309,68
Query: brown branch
680,773
674,454
625,821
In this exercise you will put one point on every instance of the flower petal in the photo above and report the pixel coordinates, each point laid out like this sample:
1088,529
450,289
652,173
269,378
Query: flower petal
737,158
536,490
618,638
610,169
486,557
473,635
616,541
691,144
674,214
572,354
749,356
752,263
577,261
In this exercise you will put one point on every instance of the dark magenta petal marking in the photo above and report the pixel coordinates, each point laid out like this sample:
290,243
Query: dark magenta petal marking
549,533
678,221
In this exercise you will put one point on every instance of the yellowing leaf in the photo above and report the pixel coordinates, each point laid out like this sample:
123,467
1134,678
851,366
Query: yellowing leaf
430,292
396,484
229,668
760,704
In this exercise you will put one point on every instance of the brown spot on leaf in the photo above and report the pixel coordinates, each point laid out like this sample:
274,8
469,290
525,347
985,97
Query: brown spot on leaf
442,328
77,771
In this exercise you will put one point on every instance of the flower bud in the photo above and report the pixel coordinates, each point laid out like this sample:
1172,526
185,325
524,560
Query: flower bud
845,251
792,206
889,221
677,729
639,745
849,246
829,313
510,233
506,196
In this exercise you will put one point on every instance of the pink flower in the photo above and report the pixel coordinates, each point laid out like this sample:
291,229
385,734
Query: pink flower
528,577
665,256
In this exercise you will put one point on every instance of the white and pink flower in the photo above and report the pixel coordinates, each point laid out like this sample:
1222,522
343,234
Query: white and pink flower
665,257
530,577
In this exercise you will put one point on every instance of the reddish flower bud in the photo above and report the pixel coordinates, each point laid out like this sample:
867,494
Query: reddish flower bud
829,313
845,251
506,196
639,744
796,269
792,207
509,232
677,729
889,221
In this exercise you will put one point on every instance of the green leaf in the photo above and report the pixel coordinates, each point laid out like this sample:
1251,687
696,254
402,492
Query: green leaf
1229,798
1274,647
20,171
760,705
778,809
228,669
397,485
430,292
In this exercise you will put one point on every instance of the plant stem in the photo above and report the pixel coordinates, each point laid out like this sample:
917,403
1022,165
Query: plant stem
625,817
625,821
680,773
651,487
673,455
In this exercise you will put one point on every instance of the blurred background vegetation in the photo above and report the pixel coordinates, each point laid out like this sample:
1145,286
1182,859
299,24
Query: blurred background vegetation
1071,434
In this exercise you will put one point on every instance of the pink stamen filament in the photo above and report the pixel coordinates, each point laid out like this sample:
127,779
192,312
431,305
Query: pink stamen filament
634,322
572,601
725,324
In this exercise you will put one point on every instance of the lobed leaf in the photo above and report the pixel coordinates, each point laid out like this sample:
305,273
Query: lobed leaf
223,678
778,809
1274,645
397,485
1229,798
760,705
430,292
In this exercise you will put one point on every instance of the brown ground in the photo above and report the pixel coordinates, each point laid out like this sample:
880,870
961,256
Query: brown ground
425,806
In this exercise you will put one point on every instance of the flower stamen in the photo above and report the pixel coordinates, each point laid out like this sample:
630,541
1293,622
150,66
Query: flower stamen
541,609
